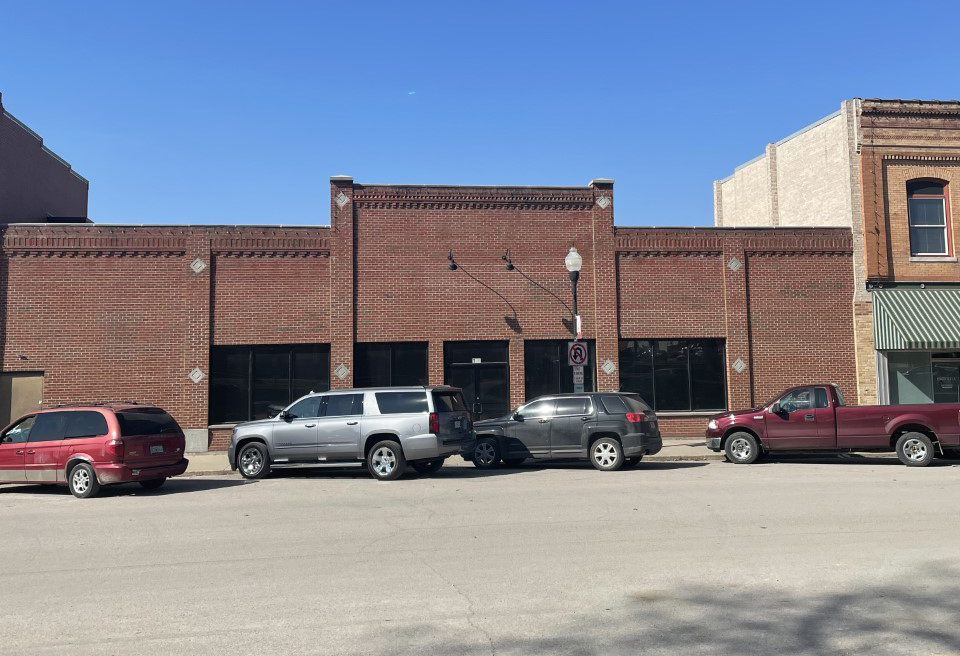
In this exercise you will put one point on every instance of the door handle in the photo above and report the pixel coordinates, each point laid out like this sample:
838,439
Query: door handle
584,418
352,423
809,418
309,425
20,453
30,452
543,421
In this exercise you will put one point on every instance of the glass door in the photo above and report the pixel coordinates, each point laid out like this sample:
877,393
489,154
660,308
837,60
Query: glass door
480,370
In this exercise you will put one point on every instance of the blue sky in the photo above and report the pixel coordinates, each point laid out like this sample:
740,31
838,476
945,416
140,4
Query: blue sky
233,112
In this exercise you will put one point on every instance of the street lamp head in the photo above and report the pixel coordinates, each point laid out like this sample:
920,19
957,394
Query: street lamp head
573,261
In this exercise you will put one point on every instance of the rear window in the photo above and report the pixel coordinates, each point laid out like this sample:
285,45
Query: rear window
449,402
148,421
391,403
621,404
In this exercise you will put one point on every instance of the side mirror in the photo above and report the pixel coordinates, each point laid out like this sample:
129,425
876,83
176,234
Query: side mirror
286,416
776,409
517,416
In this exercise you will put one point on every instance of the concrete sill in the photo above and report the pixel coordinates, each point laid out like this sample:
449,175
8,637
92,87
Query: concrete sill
221,426
681,415
931,258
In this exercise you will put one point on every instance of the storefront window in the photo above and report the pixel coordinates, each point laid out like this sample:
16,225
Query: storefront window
923,377
546,368
246,381
675,375
382,364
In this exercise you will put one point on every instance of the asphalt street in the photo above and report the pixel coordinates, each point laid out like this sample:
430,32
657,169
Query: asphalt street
834,556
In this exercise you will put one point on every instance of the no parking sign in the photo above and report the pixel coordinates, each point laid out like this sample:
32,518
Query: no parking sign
577,354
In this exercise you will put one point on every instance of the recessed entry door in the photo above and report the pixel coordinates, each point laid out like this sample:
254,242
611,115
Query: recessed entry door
20,393
480,370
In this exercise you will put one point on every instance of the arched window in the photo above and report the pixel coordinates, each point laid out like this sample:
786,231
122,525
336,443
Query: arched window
927,210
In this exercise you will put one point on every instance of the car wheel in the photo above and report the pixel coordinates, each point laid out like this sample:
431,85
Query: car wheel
153,483
630,463
253,461
513,462
486,454
742,448
915,450
83,481
606,454
385,461
428,466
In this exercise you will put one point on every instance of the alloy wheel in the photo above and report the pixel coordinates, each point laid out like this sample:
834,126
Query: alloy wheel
915,450
384,461
81,480
251,461
741,448
485,453
605,454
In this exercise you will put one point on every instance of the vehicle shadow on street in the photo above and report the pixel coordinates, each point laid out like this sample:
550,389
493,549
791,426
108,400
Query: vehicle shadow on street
171,487
846,459
915,614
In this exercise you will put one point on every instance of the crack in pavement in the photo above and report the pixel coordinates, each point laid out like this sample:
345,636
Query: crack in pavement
471,607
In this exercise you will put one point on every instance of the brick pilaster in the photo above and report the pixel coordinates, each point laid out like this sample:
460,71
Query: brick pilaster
735,293
342,279
603,325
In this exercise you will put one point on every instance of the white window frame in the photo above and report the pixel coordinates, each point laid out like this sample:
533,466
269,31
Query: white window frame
911,225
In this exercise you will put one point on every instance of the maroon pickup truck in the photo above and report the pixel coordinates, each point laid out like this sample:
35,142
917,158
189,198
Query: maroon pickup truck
814,418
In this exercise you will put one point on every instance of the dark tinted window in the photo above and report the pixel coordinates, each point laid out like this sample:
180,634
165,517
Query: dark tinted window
546,370
448,402
305,408
468,352
341,405
84,424
49,426
390,363
675,375
578,405
245,381
146,421
400,402
821,398
539,408
20,432
621,404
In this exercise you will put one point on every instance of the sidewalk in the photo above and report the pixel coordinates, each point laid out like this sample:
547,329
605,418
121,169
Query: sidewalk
215,462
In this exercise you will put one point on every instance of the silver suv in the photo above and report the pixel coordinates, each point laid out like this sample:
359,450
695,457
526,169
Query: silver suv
384,428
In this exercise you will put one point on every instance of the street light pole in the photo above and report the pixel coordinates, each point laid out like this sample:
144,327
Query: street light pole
573,261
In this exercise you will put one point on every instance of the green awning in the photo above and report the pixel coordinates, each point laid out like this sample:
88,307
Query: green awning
921,319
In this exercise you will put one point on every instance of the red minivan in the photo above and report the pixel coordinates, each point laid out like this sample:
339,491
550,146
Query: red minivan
84,447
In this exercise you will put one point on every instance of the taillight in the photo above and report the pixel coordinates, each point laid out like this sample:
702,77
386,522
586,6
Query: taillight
115,449
434,422
635,417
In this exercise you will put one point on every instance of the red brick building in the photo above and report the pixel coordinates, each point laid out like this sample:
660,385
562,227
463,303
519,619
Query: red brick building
216,323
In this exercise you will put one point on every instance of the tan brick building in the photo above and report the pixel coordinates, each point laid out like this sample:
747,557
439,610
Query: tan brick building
890,171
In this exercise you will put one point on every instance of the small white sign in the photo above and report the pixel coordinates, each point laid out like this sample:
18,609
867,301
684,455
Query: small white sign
579,328
577,353
198,265
341,372
578,375
476,360
578,388
739,366
609,367
196,375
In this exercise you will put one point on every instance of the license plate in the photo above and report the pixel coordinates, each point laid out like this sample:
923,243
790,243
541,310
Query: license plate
458,424
156,448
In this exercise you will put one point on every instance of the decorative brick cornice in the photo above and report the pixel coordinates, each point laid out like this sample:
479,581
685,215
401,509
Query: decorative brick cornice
40,242
914,157
909,108
713,241
452,198
266,246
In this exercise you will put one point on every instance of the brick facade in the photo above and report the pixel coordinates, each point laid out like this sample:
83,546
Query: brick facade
110,312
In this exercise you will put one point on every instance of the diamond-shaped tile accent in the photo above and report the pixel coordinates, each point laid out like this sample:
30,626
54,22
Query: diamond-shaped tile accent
609,367
196,375
341,199
739,366
198,265
603,202
734,264
341,371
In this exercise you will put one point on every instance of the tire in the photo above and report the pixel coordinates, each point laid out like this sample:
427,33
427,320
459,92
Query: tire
253,461
513,462
486,454
83,482
385,461
606,454
915,450
428,466
153,483
630,463
742,448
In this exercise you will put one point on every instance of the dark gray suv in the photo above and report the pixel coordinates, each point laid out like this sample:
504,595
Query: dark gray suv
611,429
